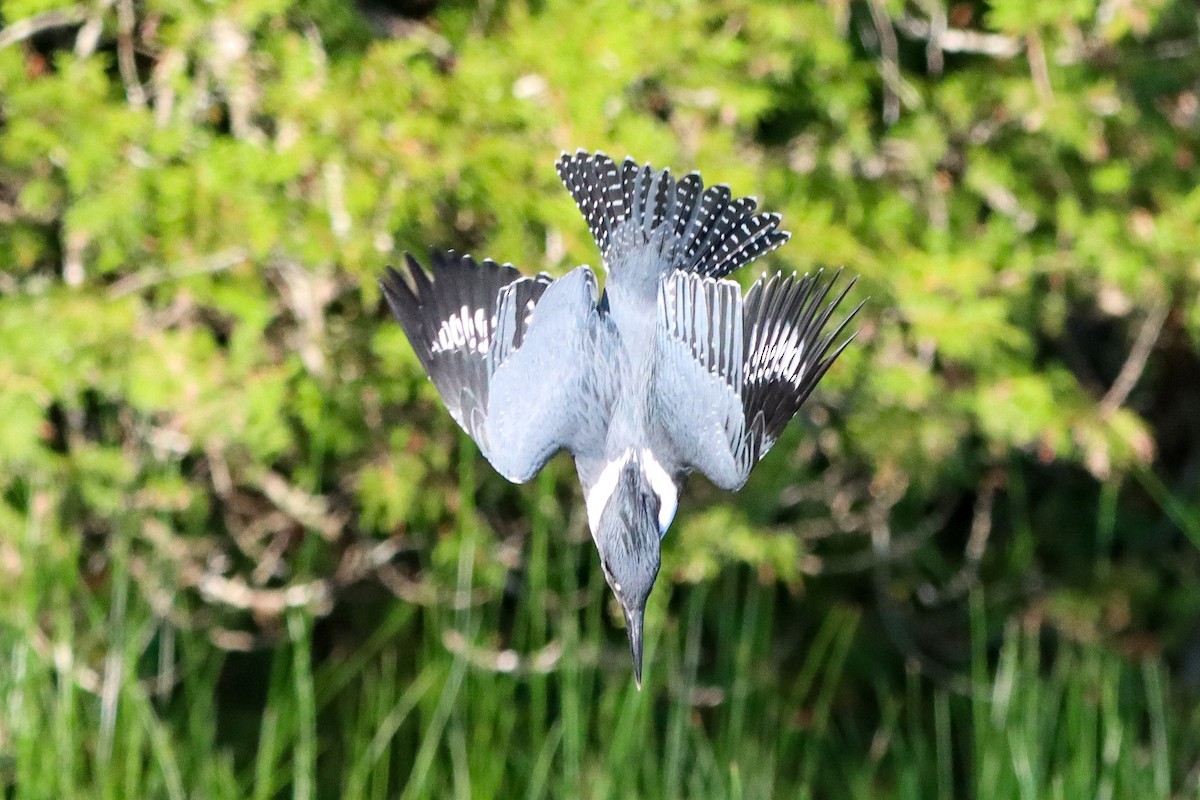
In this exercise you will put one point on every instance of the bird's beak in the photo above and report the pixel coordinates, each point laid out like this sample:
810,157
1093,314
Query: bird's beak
633,627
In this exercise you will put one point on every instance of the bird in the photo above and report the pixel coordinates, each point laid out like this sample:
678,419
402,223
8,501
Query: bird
669,370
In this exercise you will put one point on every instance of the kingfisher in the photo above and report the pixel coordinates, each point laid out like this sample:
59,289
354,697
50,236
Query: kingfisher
670,370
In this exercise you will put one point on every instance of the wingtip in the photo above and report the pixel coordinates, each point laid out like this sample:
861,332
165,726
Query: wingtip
854,311
846,290
416,272
833,335
390,276
399,293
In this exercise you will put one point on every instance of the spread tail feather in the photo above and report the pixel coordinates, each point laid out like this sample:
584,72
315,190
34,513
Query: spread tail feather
703,231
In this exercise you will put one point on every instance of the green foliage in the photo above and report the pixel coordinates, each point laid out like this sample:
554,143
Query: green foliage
211,435
729,710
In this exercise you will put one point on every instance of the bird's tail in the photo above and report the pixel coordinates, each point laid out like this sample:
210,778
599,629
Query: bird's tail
630,207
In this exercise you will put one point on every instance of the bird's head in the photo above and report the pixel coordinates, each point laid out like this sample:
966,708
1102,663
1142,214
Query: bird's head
627,533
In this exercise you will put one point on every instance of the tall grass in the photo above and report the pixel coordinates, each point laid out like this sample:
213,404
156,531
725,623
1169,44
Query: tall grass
100,698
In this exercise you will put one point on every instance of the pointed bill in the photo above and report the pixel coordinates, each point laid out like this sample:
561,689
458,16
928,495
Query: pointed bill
633,627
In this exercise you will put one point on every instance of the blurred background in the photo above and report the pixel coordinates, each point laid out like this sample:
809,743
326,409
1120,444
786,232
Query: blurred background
244,552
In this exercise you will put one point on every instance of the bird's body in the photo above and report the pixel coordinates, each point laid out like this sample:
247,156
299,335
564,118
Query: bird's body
670,371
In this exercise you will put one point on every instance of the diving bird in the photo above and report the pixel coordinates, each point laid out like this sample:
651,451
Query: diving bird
669,371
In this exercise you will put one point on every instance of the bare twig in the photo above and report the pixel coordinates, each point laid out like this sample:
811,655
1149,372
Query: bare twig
1175,48
126,21
73,272
1038,68
271,557
169,64
363,558
959,40
218,262
12,212
889,61
89,35
310,510
63,658
981,523
23,29
335,198
237,594
934,60
306,294
320,59
981,530
508,661
1139,354
1003,200
236,641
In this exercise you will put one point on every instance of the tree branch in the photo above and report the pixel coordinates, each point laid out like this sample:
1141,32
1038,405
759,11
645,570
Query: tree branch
126,21
889,58
959,40
1135,364
23,29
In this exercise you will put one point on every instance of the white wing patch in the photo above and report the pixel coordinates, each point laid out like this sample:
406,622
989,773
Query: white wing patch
470,329
778,359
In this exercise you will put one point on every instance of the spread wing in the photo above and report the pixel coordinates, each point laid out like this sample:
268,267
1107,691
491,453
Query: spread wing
524,365
732,372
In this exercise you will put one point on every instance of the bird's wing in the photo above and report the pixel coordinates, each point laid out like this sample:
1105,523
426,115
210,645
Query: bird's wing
504,351
449,316
556,388
630,207
698,376
732,372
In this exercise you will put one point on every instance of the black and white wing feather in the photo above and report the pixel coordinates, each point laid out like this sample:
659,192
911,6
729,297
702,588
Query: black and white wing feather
698,230
732,372
450,317
500,348
787,349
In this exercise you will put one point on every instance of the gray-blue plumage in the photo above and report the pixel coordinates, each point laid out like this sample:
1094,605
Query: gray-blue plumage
670,371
